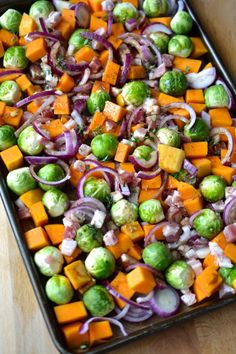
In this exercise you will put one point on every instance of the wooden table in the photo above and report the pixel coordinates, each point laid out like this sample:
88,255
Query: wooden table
22,329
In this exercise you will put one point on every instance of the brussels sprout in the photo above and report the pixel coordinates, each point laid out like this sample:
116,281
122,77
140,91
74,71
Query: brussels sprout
151,211
10,92
229,276
88,237
29,141
77,40
97,188
234,184
97,100
155,8
59,290
7,137
125,11
216,96
208,223
169,137
173,83
135,92
180,46
157,256
98,301
180,275
49,260
14,57
20,181
41,8
10,20
104,146
213,188
143,152
50,173
100,263
198,132
56,202
181,23
160,40
124,212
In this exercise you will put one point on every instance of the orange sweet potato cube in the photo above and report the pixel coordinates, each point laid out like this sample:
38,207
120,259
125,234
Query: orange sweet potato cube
12,157
39,214
36,239
141,280
71,312
119,283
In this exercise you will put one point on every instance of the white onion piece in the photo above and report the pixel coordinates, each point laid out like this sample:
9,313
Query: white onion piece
201,80
206,118
185,106
156,27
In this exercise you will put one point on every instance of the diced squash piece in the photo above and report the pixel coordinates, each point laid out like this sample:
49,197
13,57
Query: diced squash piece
136,72
230,251
193,205
170,158
172,183
108,164
7,76
187,191
223,153
220,117
141,280
97,121
151,183
134,230
194,96
115,41
146,194
135,251
36,239
122,246
101,86
33,106
2,51
23,82
117,29
220,240
85,54
199,47
111,72
210,261
164,99
99,331
68,15
196,149
215,161
31,197
100,14
96,5
115,250
38,214
119,283
158,233
164,20
114,112
203,166
7,38
133,2
61,105
2,107
66,83
198,107
97,23
12,157
127,166
75,176
27,25
22,42
187,65
122,152
73,257
65,28
77,274
103,57
36,49
71,312
12,116
72,336
207,283
55,127
87,286
225,172
55,232
232,131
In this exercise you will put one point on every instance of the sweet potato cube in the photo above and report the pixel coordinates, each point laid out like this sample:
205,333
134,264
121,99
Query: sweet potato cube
55,232
23,82
72,336
101,86
122,152
12,157
187,65
77,274
134,230
113,111
111,72
194,96
31,197
146,194
36,49
136,72
141,280
224,171
135,252
85,54
61,105
196,149
151,183
71,312
99,331
39,214
220,240
230,251
158,233
27,25
36,239
65,28
203,166
207,283
193,205
170,158
220,117
97,23
199,47
12,116
7,38
119,283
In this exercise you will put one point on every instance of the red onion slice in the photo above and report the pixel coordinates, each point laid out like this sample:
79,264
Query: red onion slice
143,164
37,124
163,186
216,131
188,166
165,302
140,318
229,214
201,80
125,68
35,96
206,118
71,141
43,24
51,183
10,72
136,116
232,103
166,119
121,313
109,23
148,175
96,37
151,233
193,216
156,27
85,326
40,160
82,15
185,106
89,201
50,36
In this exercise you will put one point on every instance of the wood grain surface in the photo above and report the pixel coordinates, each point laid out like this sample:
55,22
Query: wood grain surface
22,329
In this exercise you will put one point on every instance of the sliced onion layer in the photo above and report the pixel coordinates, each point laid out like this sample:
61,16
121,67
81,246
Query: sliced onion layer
85,326
201,80
229,214
143,164
152,232
185,106
36,96
232,103
51,183
148,175
156,27
165,302
216,131
82,15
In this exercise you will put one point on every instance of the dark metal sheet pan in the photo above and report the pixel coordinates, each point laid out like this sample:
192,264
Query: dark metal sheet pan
135,331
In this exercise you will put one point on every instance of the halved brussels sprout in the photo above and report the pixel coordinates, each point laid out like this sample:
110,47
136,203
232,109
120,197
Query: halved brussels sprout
10,20
29,141
97,100
216,97
157,255
124,11
124,212
100,263
40,8
49,260
198,132
59,290
160,40
180,275
180,46
10,92
208,223
50,173
143,152
155,8
151,211
173,83
229,276
213,188
97,188
20,181
104,146
56,202
135,93
77,40
169,137
14,57
88,237
7,137
181,23
98,301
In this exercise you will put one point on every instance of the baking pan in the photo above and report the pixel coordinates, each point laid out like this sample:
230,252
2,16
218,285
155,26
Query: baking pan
135,331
